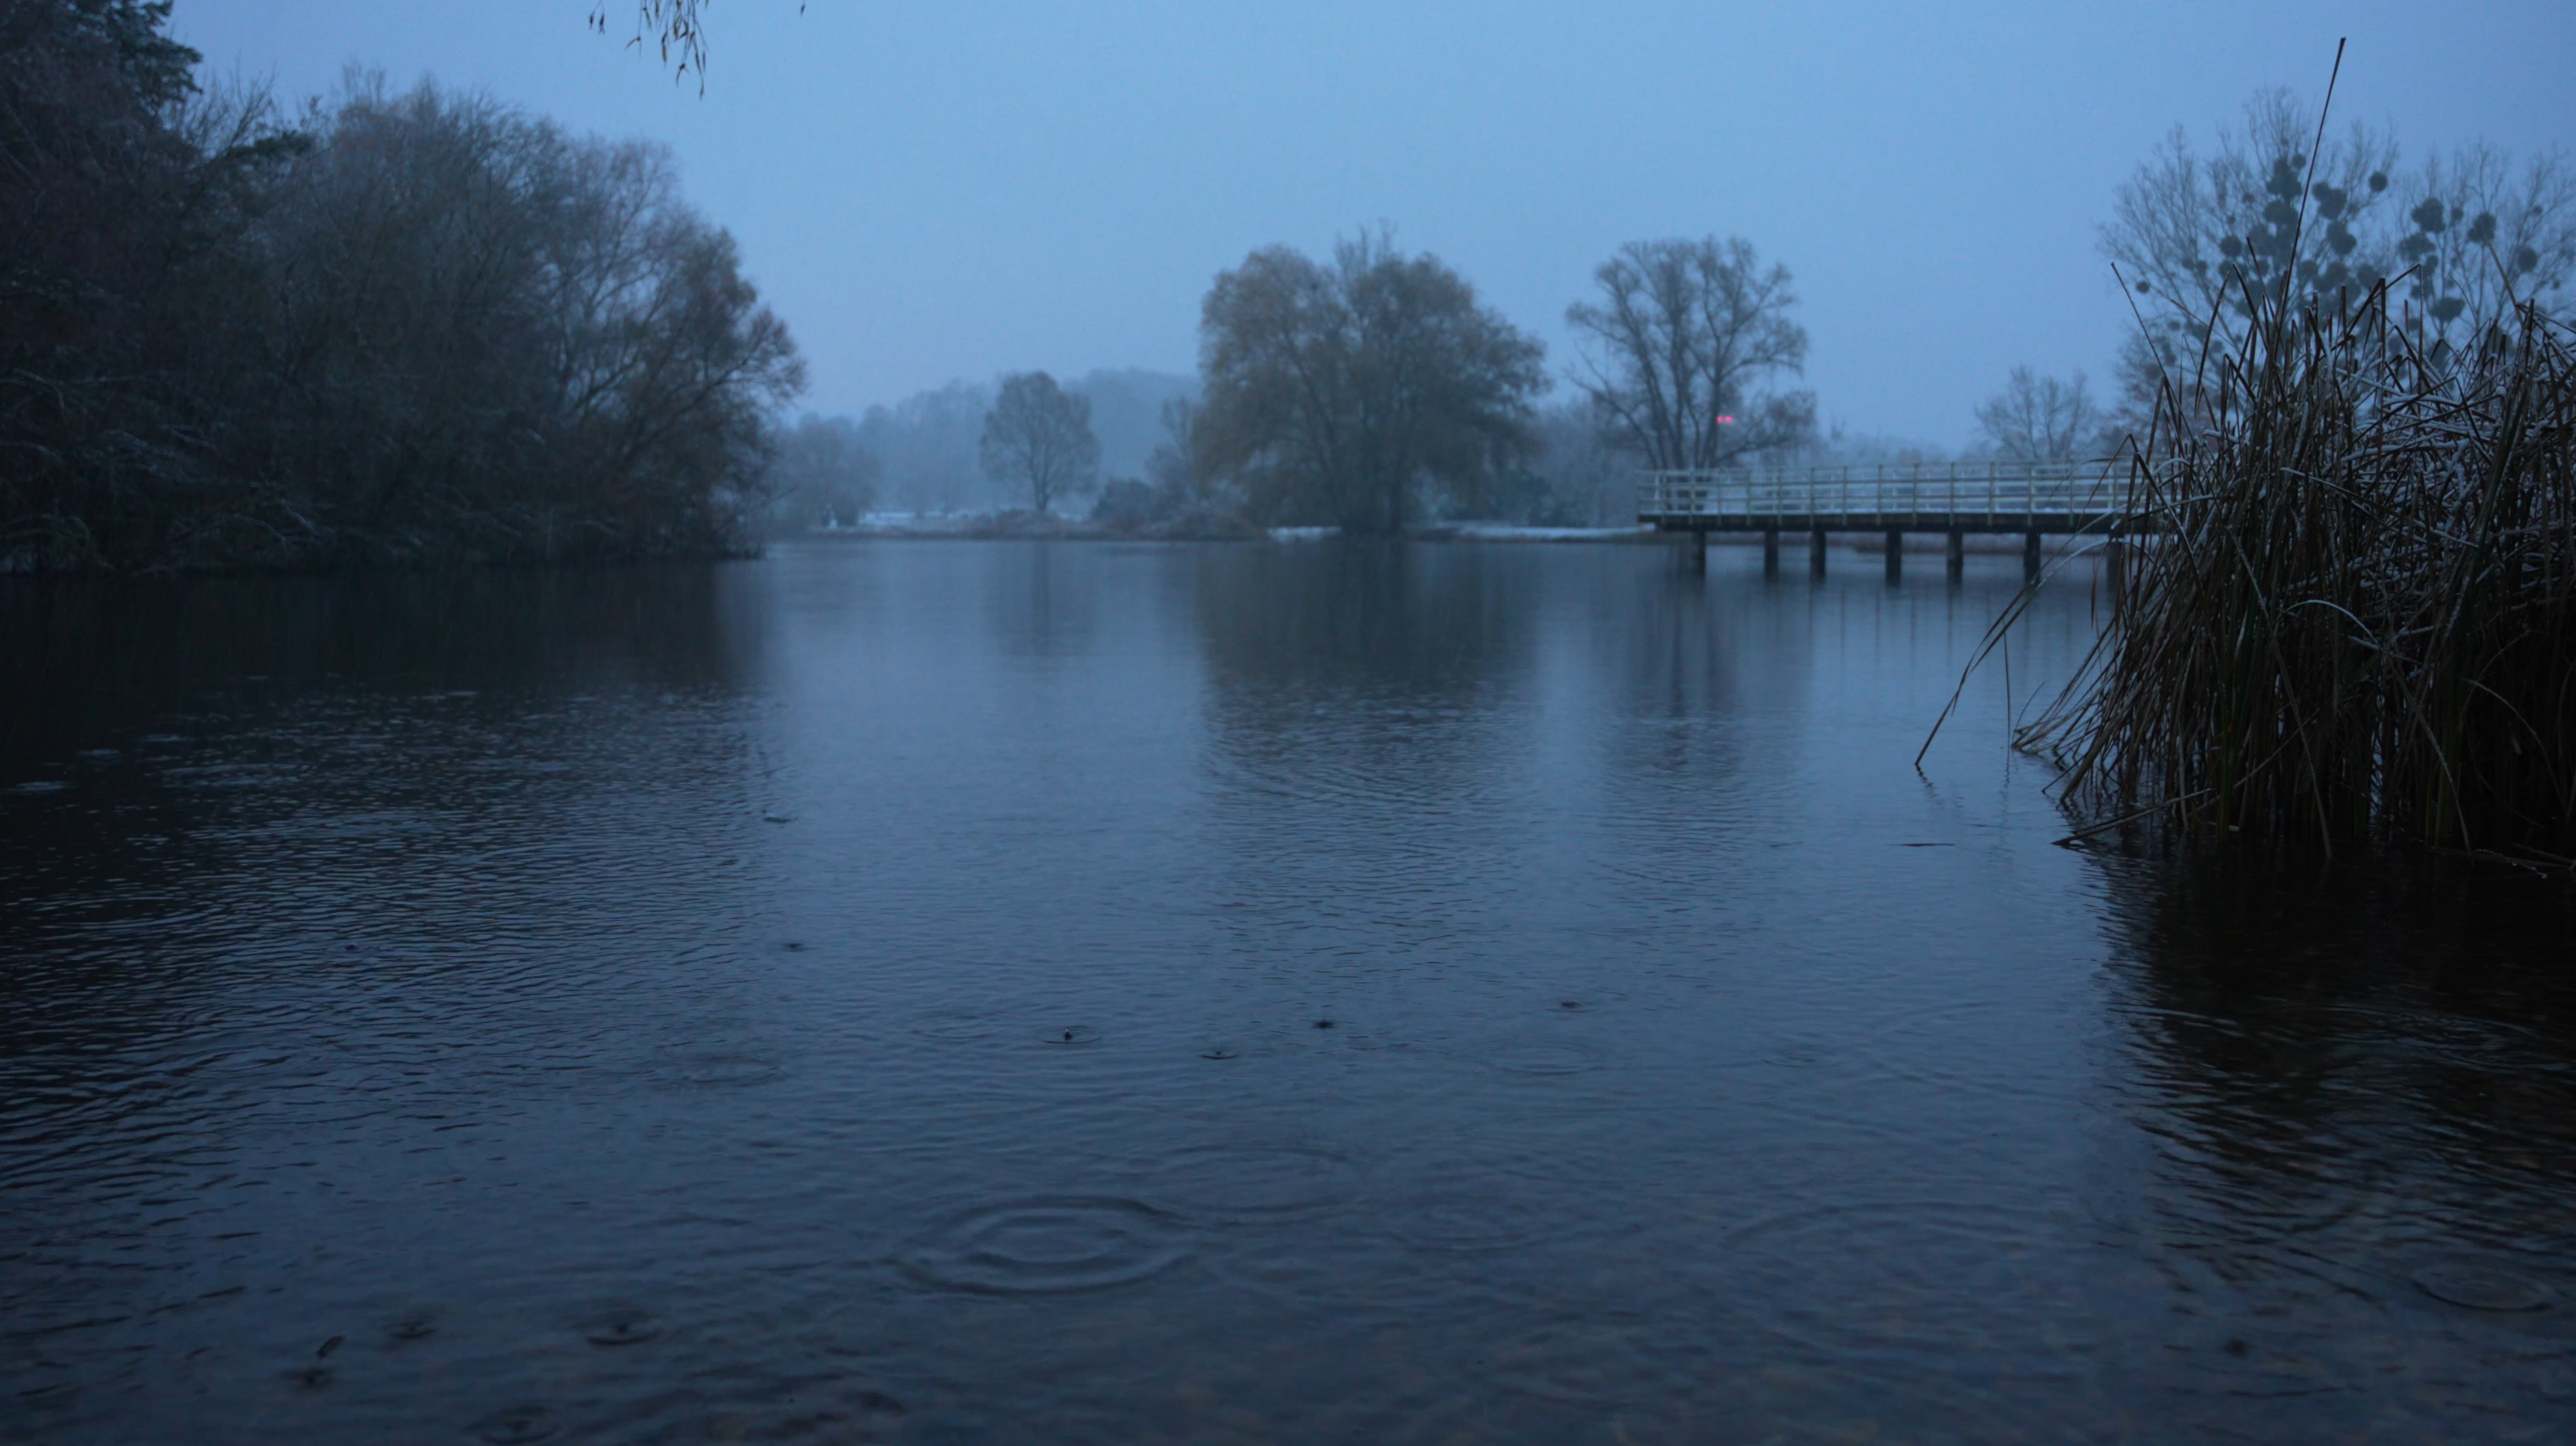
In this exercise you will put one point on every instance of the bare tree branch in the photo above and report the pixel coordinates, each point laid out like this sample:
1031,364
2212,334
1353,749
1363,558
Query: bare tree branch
1039,436
1683,334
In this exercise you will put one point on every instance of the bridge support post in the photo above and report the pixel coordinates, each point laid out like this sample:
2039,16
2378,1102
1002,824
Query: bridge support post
2030,558
1957,557
1895,556
1699,549
1770,552
1816,553
2115,570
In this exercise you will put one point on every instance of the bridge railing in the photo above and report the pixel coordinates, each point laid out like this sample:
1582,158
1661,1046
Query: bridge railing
1964,492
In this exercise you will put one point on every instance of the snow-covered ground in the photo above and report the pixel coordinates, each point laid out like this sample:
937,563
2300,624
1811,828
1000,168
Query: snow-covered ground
891,523
1505,532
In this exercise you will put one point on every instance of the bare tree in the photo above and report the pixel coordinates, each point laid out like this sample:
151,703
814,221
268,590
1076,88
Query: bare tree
2041,419
2483,235
2192,234
1343,393
1038,436
2279,211
1683,335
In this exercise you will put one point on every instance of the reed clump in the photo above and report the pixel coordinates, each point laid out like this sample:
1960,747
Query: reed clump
2351,613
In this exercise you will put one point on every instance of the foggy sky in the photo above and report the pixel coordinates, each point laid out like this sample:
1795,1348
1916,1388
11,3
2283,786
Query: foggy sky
928,191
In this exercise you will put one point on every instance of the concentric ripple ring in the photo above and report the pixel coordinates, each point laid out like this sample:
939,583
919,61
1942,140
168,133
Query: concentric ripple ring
1050,1245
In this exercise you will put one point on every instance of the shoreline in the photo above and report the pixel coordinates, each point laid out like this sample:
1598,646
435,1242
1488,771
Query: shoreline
1005,528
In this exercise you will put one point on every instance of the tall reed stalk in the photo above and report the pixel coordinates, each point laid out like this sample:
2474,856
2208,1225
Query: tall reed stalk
2352,613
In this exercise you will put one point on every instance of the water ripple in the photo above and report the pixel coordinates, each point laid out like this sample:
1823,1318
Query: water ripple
1049,1245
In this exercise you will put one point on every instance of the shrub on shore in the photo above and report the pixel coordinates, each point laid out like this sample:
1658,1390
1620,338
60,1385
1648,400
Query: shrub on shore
2352,614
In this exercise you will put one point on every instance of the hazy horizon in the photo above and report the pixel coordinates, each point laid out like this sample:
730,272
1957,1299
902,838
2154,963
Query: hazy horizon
928,196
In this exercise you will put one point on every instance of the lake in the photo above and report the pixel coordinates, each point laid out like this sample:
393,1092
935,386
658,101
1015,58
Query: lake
1059,992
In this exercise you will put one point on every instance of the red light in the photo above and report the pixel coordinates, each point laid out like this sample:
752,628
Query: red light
1726,421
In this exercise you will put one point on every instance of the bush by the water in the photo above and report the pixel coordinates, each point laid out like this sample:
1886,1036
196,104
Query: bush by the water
395,327
2353,610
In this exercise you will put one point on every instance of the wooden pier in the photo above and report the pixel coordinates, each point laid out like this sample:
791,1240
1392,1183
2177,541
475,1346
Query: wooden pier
2030,498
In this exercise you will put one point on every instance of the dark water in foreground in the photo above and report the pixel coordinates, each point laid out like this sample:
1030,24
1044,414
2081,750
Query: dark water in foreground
878,994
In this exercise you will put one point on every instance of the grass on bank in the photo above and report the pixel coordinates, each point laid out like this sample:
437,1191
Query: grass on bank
2351,609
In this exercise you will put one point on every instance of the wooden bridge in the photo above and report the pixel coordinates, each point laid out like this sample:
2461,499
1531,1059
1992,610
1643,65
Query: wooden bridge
1958,498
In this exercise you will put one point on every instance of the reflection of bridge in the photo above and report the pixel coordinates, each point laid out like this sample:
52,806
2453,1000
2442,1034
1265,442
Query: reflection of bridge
2030,498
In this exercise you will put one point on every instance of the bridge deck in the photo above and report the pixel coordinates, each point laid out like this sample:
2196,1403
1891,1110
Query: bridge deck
2056,497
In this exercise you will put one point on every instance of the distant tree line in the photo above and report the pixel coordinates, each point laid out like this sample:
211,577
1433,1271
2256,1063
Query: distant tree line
821,474
1375,390
394,326
407,326
1331,399
928,447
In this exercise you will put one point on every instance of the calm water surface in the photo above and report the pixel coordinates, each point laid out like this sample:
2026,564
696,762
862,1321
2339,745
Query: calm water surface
958,993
